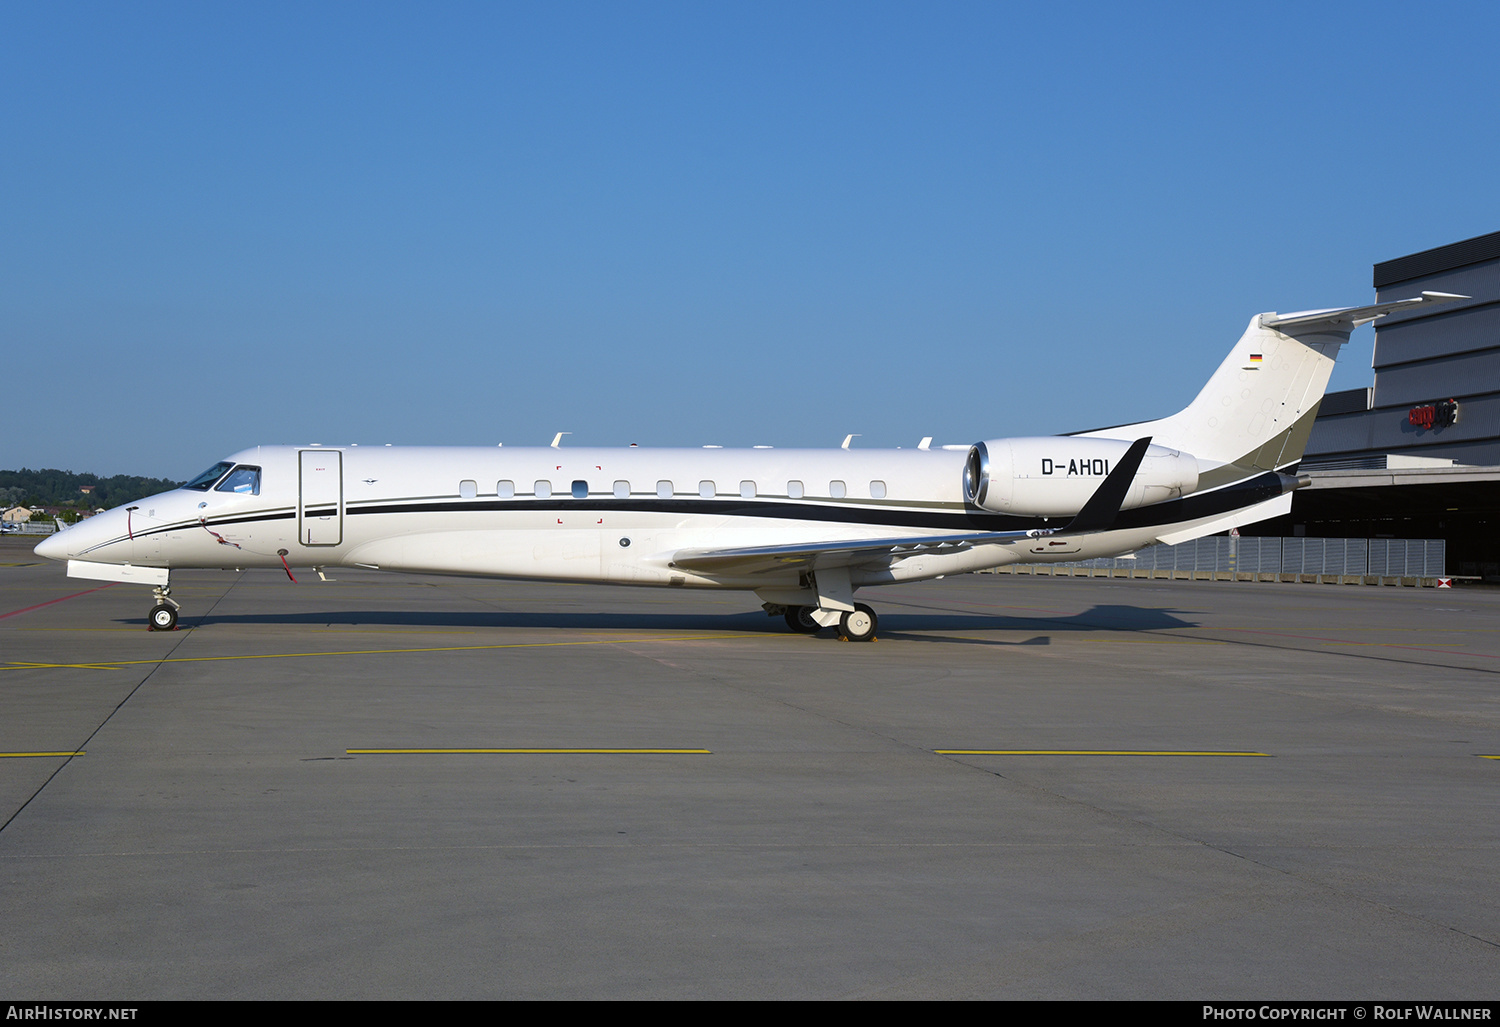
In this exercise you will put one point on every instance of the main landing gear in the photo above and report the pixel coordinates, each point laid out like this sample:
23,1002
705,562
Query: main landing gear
835,605
163,616
856,625
799,619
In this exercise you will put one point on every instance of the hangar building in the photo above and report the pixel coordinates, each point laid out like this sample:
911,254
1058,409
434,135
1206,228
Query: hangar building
1417,455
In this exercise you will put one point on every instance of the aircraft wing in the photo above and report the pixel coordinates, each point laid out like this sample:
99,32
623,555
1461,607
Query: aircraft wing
815,555
1098,514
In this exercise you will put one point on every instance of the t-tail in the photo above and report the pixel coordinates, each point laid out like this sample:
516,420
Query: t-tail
1257,411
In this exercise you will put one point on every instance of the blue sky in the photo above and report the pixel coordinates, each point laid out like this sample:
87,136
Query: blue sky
679,224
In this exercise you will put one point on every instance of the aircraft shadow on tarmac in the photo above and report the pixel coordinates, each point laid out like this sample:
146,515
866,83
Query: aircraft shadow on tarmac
1096,618
894,623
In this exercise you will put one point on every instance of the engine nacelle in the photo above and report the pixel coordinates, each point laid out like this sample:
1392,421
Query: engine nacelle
1056,475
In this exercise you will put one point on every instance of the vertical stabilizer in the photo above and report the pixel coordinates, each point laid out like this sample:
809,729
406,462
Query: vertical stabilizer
1257,410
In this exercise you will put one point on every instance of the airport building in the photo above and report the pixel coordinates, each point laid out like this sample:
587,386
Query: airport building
1417,455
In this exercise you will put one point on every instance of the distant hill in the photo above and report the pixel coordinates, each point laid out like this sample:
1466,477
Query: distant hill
51,487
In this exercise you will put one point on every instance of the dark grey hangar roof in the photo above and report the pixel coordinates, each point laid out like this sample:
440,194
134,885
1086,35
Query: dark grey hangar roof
1439,258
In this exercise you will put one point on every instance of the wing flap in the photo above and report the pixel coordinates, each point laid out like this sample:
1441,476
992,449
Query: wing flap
752,560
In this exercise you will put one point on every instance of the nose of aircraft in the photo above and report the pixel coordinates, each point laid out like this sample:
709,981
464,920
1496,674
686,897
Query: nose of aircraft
53,547
84,537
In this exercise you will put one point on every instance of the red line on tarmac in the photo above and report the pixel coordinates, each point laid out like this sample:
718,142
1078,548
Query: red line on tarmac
64,599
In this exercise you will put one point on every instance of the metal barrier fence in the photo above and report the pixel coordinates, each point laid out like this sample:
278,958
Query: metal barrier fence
1349,557
31,528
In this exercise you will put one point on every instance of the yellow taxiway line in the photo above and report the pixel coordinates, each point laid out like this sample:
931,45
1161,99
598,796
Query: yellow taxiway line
116,664
1094,752
530,752
23,755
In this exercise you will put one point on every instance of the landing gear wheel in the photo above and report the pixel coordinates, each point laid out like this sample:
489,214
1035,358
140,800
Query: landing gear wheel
799,619
163,618
859,624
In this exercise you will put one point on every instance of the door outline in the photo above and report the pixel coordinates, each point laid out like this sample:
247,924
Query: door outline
320,485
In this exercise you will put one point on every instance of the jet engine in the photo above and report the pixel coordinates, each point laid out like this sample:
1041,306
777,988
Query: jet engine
1056,475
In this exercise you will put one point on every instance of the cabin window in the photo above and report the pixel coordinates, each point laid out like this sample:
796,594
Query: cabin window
836,489
622,490
747,490
580,490
706,489
664,490
877,490
505,489
242,481
794,490
205,481
468,489
542,489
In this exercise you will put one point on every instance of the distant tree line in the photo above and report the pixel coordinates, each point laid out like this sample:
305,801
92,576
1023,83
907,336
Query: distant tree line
51,487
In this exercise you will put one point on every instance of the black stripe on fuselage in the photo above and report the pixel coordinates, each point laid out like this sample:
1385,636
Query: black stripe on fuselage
1202,504
1190,508
185,525
729,506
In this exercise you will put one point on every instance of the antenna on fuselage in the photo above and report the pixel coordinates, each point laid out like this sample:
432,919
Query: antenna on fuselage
557,439
926,442
848,439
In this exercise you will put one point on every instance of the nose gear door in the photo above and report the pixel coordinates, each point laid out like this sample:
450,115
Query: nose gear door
320,507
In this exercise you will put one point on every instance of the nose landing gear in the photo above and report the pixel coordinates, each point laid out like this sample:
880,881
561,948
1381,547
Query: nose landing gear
163,616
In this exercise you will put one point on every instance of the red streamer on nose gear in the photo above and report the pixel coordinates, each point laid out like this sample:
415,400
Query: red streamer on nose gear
288,569
128,530
222,540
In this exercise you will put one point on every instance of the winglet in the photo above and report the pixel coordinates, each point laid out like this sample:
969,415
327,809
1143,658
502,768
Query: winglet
1099,513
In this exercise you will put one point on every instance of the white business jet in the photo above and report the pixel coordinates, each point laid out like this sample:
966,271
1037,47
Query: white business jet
803,529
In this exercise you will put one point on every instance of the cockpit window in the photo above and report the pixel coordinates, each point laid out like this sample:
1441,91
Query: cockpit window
243,481
205,481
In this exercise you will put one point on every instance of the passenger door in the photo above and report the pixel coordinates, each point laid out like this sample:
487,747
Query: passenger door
320,508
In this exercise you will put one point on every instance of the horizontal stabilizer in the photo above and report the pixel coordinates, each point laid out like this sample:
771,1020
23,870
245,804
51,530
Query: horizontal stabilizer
1345,318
